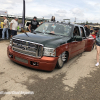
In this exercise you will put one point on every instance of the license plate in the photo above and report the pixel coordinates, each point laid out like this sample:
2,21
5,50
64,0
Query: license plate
21,60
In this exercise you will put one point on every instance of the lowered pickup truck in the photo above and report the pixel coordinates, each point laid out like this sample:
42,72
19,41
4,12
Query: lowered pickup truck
49,46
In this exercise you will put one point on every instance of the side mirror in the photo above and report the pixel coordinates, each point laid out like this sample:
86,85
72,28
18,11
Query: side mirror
77,38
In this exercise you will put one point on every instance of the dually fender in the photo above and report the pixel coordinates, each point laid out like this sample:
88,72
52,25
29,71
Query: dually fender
90,44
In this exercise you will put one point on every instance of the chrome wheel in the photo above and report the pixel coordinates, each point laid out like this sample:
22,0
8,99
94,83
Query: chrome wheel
62,58
60,61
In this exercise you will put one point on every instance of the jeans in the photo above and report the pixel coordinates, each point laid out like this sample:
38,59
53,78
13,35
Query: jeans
3,33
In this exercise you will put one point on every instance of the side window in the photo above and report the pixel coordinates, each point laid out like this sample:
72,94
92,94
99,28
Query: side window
82,32
76,31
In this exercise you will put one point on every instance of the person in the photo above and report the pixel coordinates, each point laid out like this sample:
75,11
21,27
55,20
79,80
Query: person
91,30
34,24
75,32
41,23
13,26
5,29
96,31
51,28
98,48
53,18
87,30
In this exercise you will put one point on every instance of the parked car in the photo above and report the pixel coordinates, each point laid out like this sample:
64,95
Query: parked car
49,46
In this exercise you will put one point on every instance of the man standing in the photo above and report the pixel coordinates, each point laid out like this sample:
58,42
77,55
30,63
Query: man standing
5,29
53,18
87,30
34,24
13,26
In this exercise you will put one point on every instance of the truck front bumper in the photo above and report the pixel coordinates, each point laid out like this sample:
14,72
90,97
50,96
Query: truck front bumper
44,63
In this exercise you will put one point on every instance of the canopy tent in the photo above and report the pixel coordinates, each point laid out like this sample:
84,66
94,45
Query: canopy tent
97,26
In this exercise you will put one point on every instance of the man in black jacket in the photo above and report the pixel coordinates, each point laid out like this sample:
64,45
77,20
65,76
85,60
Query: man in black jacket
34,24
87,30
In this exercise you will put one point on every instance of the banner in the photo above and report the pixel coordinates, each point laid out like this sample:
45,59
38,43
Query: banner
3,12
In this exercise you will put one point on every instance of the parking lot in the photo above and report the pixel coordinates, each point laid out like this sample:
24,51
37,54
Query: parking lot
79,79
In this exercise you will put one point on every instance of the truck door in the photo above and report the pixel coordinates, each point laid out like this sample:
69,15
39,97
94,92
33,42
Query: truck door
76,45
84,41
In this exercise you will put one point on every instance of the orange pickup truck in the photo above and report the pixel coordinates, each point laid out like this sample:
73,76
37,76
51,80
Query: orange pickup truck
49,46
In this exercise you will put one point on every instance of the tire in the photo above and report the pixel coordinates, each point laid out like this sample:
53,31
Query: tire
61,60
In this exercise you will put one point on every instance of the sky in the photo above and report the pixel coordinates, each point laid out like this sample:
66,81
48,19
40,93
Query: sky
82,10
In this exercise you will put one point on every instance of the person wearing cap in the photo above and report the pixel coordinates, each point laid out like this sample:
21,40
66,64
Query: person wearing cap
34,24
5,29
13,26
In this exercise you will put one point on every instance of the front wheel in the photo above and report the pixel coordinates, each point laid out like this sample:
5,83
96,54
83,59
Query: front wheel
62,58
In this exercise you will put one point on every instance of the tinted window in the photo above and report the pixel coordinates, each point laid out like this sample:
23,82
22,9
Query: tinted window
82,32
76,31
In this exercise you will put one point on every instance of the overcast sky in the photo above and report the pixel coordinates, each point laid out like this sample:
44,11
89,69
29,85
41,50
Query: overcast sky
83,10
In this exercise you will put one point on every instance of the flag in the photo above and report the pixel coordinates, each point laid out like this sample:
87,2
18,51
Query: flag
23,19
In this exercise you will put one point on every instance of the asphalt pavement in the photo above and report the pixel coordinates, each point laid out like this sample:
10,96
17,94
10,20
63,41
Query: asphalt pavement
79,79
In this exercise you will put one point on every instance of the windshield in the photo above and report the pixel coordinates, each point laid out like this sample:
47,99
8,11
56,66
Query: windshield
54,28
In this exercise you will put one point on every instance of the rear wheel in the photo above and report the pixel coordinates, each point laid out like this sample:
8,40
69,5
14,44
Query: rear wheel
61,60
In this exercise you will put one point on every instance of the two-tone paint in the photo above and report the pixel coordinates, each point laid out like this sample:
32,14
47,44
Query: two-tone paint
60,43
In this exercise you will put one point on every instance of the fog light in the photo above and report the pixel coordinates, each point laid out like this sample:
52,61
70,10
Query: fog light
34,63
11,56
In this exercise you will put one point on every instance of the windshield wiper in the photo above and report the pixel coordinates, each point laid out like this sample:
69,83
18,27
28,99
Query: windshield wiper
37,31
52,33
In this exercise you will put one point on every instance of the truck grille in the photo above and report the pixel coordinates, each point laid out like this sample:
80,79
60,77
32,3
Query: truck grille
27,48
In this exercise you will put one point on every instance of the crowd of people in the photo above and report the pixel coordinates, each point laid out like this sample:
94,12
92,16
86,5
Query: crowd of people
14,26
95,32
91,31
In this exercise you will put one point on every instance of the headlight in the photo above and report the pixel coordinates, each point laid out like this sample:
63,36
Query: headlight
49,52
10,42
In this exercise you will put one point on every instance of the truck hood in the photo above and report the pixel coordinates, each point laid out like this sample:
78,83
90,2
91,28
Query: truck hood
48,40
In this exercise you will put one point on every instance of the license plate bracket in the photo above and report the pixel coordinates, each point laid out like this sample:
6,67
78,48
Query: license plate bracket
21,60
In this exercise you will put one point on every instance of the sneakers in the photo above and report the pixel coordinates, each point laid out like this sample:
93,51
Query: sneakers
97,64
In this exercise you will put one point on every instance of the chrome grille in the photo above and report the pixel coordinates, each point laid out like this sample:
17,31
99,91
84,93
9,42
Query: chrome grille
27,48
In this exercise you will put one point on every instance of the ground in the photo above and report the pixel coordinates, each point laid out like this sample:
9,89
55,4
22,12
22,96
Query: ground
77,80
